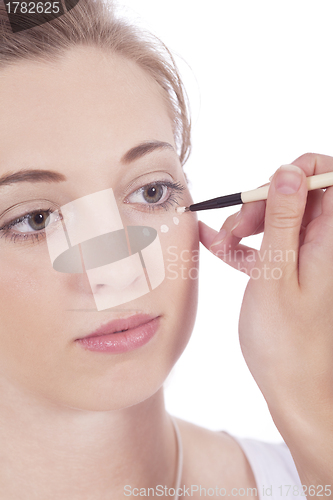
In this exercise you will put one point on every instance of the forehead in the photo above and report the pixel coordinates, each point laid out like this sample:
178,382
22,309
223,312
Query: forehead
84,104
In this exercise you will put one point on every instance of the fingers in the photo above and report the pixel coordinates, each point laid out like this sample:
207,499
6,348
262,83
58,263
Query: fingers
241,257
313,164
313,206
285,208
206,234
285,219
243,223
316,261
225,243
247,221
316,250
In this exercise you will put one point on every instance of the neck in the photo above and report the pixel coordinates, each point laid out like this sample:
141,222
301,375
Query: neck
70,453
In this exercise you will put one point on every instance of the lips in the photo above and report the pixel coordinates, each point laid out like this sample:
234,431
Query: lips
121,325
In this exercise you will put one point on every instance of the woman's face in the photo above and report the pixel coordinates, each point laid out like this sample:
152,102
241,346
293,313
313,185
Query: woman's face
79,117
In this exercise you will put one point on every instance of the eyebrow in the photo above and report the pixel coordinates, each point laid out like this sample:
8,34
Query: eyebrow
32,176
143,149
36,175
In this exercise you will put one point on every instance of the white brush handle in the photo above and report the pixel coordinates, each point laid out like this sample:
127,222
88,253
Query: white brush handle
313,182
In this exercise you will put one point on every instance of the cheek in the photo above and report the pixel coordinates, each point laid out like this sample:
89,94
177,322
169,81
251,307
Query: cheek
178,294
31,295
27,310
27,280
181,254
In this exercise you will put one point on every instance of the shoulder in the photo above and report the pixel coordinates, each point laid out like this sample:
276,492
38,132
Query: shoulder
213,459
220,460
270,462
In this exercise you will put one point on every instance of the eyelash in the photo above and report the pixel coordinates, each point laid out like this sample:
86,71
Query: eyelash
176,188
7,234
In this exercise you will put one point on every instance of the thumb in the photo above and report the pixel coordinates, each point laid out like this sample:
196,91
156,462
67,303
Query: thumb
285,207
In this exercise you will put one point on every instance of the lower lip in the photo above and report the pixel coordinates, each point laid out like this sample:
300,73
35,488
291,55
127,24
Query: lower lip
122,341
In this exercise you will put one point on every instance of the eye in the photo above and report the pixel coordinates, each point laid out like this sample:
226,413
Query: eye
29,225
35,221
159,194
152,193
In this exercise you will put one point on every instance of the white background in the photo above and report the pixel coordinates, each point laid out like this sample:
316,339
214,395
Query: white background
260,87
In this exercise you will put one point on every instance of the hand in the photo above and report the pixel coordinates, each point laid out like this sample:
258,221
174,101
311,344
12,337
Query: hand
286,318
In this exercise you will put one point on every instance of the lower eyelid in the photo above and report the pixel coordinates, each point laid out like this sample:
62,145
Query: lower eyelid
153,207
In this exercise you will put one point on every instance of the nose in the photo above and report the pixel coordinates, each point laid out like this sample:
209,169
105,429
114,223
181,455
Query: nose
118,282
121,263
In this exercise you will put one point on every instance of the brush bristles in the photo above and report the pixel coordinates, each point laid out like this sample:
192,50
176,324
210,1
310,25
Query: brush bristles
181,210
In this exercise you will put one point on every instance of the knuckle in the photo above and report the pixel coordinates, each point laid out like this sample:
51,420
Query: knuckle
309,158
285,217
229,221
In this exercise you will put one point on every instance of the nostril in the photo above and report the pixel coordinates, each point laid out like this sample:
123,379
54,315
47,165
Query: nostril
116,285
98,286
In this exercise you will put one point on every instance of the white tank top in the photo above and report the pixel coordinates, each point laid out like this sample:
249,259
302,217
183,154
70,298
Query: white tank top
273,468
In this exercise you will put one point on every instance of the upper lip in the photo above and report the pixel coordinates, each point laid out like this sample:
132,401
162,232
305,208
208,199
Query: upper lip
118,325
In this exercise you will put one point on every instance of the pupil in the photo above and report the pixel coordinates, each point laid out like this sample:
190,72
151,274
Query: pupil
39,218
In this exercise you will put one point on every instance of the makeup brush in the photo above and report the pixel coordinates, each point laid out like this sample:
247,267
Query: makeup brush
313,182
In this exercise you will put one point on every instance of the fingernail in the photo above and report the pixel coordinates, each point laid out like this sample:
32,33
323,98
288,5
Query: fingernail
288,179
271,177
220,237
237,220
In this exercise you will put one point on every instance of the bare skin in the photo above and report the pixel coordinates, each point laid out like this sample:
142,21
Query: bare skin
285,324
74,424
228,468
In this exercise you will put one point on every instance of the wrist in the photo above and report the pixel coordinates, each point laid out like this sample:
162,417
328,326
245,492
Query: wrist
309,437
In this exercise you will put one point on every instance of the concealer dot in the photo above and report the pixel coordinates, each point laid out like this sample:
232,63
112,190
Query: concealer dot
176,220
164,228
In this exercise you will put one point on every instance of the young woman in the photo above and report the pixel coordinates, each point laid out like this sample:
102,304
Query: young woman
90,104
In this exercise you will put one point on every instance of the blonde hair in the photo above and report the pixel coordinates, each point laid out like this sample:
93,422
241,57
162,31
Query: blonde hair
94,23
